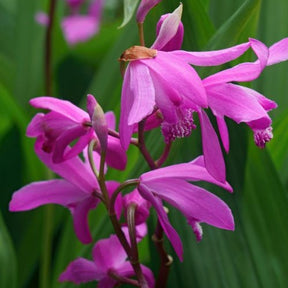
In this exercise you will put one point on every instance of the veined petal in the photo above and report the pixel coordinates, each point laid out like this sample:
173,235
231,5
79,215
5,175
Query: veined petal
36,194
278,52
61,106
80,218
143,9
194,202
168,28
213,157
163,218
79,28
73,170
80,271
143,90
127,98
179,76
212,58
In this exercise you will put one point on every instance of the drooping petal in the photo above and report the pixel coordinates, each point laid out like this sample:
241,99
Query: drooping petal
36,194
79,28
127,98
80,218
80,271
163,218
194,202
213,156
108,253
278,52
212,58
175,42
143,9
168,29
144,93
35,127
61,106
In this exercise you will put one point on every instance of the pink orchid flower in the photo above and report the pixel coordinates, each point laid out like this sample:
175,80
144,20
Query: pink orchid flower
144,8
197,204
168,83
65,123
76,191
109,263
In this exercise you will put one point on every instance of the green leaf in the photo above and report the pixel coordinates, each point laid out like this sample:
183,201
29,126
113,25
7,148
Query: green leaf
8,271
129,9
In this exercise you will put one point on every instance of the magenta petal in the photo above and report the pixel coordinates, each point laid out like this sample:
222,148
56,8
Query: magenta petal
278,52
214,161
127,98
168,29
194,202
163,218
108,253
175,43
80,218
142,88
80,271
46,192
111,187
143,9
34,128
179,76
212,58
110,119
61,106
223,130
73,170
79,28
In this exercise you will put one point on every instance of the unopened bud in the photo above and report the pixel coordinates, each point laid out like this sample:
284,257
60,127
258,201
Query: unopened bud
98,120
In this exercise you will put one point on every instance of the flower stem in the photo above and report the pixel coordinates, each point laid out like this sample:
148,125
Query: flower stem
141,34
134,257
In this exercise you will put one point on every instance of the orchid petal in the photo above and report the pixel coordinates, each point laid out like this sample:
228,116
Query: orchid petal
79,28
175,42
212,58
190,85
110,119
108,253
35,128
168,28
214,160
61,106
80,218
163,218
143,9
243,72
73,170
127,99
80,271
194,202
278,52
143,90
224,134
36,194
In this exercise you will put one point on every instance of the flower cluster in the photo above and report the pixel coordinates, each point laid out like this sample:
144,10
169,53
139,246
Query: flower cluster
161,88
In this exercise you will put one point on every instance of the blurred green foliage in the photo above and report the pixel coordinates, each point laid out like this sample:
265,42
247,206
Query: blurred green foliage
255,255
